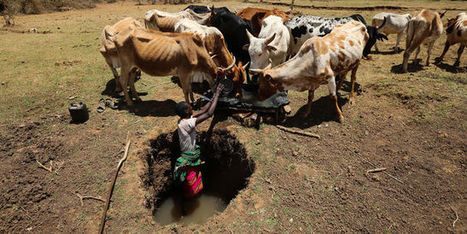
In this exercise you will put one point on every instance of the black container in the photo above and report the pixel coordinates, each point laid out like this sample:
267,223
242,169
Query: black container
228,87
79,112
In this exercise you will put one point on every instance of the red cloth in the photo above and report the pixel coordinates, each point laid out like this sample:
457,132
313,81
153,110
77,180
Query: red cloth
193,183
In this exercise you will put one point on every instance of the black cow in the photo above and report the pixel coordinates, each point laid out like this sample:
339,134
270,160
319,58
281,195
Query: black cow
205,9
305,27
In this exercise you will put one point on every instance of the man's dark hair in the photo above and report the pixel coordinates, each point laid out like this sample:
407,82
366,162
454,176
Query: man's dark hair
181,108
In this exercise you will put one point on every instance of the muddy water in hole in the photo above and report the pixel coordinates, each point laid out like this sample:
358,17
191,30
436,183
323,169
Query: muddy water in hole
198,210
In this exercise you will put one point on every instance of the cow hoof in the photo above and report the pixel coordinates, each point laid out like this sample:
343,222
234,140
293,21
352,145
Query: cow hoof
438,60
138,99
340,118
456,64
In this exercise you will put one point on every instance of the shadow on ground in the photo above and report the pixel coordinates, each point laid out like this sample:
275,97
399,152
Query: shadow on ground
415,66
450,68
321,111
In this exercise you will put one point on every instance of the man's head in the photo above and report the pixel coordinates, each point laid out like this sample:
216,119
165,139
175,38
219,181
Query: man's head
183,110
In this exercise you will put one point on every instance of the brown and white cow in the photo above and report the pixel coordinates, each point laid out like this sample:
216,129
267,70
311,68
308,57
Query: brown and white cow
108,49
317,62
257,15
162,54
215,44
165,21
456,33
425,27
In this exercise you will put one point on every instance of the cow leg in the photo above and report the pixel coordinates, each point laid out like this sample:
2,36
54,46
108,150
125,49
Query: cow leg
311,95
333,96
430,46
185,82
341,81
124,76
399,36
376,47
353,77
459,53
416,54
132,85
446,48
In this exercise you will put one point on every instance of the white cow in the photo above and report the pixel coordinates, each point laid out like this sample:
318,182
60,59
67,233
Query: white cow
395,24
165,21
271,45
317,62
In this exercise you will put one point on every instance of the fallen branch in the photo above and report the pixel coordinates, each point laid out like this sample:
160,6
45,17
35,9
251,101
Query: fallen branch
376,170
457,217
44,167
81,198
112,184
298,132
373,165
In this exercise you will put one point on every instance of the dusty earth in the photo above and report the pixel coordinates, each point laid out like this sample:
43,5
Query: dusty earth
414,125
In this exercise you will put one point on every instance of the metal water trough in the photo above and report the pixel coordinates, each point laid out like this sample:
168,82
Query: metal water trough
249,101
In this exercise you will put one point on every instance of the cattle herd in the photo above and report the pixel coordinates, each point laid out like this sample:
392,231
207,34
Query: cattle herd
270,48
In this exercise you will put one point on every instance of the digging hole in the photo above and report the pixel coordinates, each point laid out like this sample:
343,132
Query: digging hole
225,173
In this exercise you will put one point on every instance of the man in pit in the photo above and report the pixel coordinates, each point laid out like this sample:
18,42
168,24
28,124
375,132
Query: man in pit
187,166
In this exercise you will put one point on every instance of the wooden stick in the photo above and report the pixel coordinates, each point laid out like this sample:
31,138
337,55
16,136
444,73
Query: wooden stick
457,217
81,198
303,133
44,167
376,170
109,195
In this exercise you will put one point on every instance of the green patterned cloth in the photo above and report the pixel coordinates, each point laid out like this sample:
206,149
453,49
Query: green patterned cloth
186,159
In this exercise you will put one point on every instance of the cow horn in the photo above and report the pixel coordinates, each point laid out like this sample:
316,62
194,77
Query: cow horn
384,22
442,14
269,39
229,67
213,56
255,71
249,34
246,65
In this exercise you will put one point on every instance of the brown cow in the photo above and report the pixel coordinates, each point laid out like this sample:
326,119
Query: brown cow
108,49
425,27
162,54
215,44
257,15
456,33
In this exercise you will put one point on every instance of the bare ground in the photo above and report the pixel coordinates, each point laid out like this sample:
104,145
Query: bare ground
412,124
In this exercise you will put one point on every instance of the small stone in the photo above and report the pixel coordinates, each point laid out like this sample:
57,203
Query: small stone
3,83
300,229
295,153
319,126
258,142
366,133
291,220
326,125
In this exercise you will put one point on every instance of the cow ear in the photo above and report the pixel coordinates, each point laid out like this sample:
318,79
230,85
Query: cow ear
245,47
272,48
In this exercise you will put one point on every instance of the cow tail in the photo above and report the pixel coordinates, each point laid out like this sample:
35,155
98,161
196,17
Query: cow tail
410,34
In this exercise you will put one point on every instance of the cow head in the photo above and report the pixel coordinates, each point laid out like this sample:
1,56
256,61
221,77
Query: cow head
259,50
267,85
373,36
216,46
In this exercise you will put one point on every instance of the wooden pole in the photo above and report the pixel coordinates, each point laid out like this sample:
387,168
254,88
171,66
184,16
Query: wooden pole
109,195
